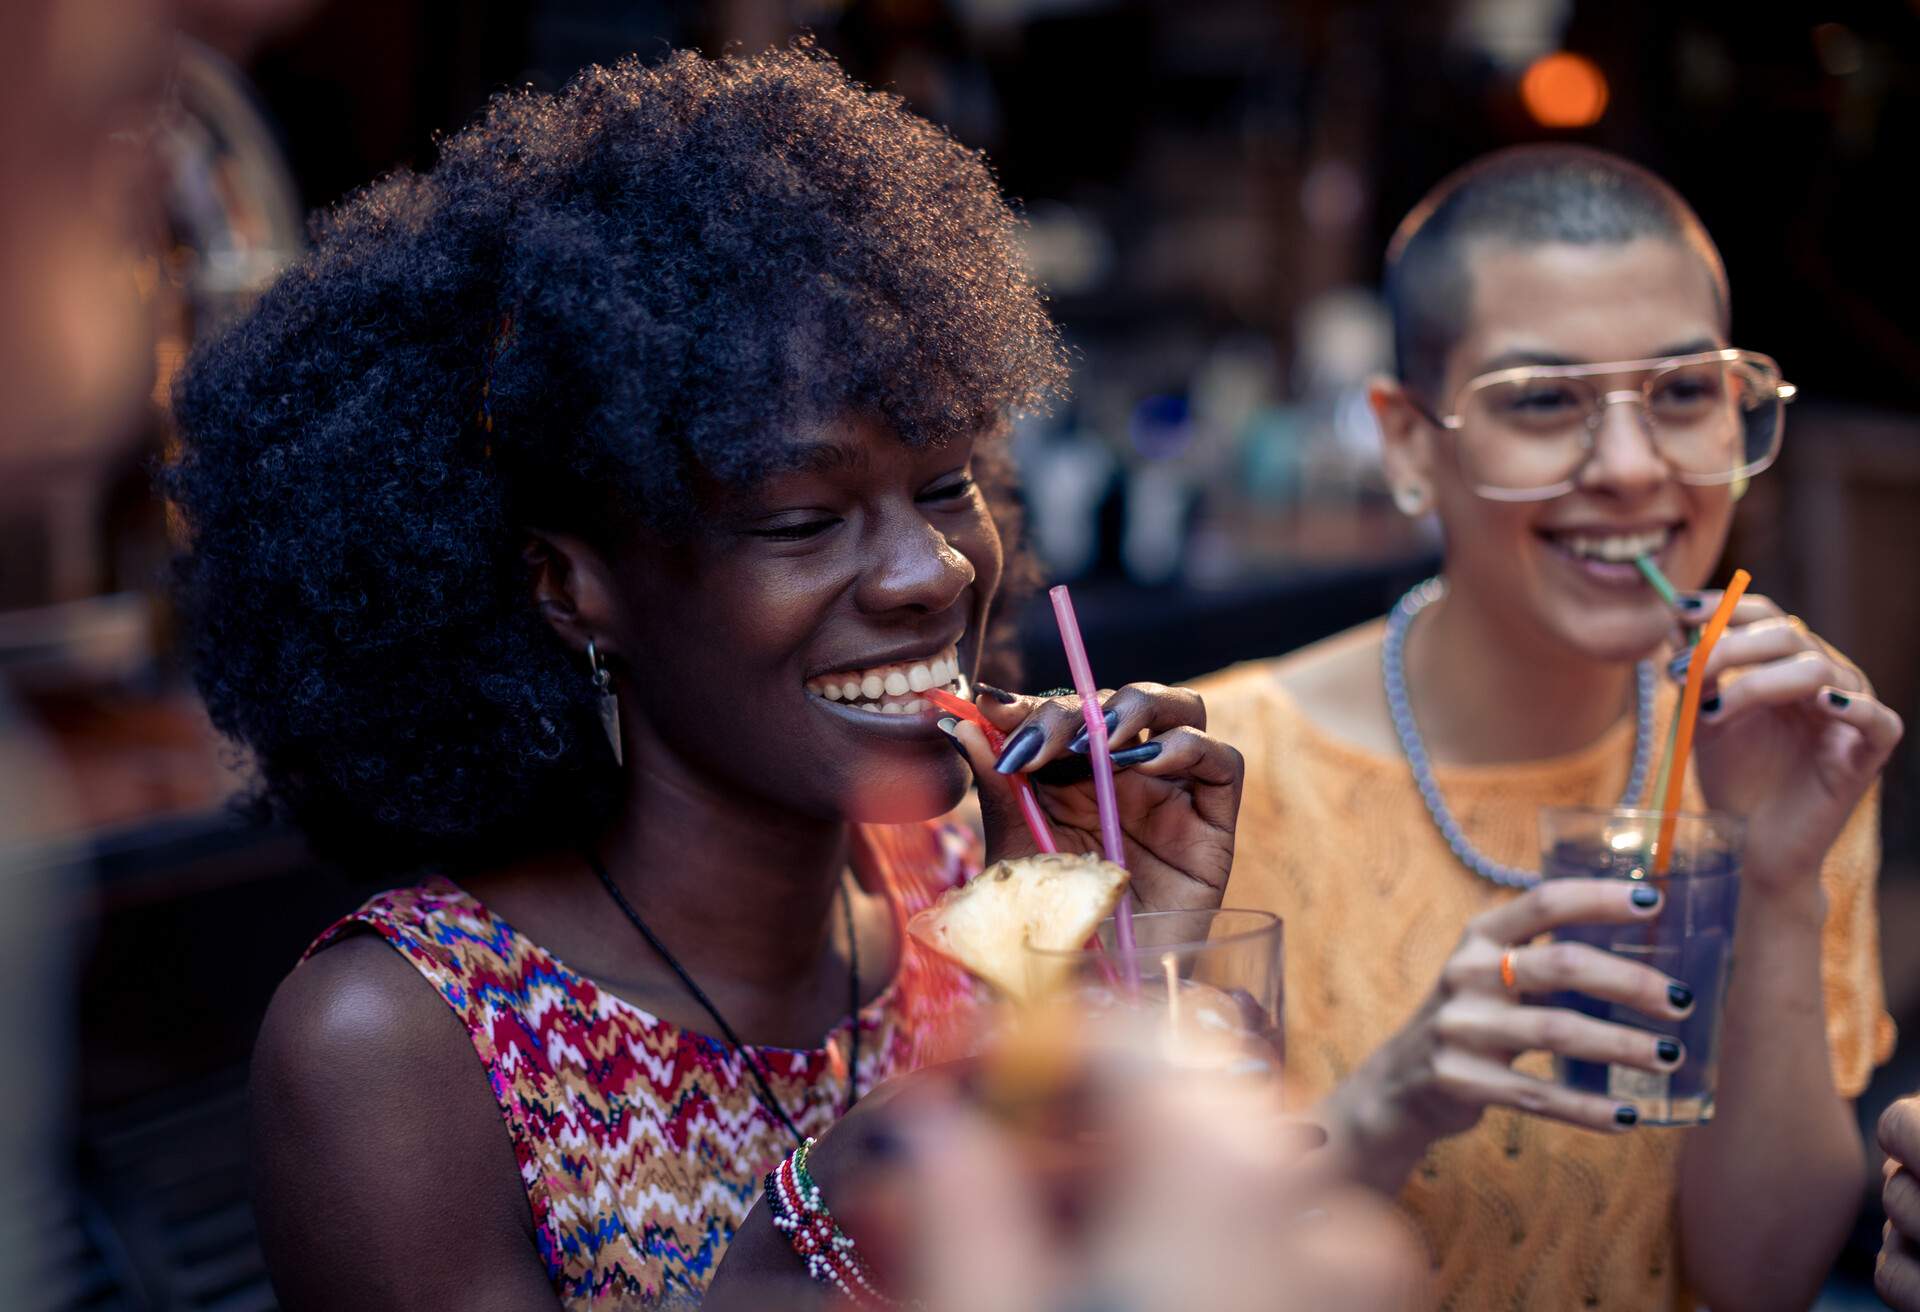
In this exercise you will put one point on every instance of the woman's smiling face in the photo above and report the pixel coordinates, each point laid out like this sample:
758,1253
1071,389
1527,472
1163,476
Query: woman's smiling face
781,649
1559,569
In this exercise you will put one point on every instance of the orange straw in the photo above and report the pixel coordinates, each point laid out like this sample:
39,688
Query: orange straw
1689,712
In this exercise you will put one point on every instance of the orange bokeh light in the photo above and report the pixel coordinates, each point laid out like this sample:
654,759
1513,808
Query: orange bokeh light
1564,90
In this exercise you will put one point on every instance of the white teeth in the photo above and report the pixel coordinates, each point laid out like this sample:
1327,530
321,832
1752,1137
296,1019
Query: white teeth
1617,548
891,708
917,705
867,688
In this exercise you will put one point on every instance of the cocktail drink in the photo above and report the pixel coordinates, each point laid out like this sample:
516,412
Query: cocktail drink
1207,985
1690,940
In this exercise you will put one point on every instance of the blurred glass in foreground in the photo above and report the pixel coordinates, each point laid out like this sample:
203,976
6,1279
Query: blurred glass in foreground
1074,1166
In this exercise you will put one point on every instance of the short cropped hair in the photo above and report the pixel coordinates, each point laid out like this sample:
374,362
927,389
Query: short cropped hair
1525,195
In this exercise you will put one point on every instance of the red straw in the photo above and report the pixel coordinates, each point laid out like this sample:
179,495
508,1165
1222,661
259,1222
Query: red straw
1022,786
1098,752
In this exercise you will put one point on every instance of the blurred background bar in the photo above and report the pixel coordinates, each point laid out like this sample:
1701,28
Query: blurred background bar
1209,187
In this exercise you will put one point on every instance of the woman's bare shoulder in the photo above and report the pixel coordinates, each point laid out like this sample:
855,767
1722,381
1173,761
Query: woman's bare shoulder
369,1108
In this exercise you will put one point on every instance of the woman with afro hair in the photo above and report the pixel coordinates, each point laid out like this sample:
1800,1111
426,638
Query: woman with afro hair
571,535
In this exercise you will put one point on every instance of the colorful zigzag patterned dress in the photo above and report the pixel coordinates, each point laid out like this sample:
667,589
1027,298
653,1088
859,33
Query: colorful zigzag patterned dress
642,1145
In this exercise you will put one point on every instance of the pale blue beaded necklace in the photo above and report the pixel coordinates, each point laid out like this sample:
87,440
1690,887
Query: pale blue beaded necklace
1393,670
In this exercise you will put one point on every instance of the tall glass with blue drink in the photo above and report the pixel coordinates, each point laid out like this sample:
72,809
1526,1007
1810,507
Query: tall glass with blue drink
1690,940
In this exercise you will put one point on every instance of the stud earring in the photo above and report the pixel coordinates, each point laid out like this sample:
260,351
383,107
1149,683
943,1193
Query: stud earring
1410,500
609,702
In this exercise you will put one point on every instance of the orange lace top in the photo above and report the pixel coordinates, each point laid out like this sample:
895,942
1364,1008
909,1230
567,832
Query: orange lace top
1519,1212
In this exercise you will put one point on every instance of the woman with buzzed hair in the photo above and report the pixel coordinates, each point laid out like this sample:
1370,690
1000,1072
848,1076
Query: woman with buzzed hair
1396,773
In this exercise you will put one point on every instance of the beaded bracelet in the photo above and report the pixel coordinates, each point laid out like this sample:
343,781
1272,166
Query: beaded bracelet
828,1251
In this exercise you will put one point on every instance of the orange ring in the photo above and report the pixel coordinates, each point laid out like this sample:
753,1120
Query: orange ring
1506,971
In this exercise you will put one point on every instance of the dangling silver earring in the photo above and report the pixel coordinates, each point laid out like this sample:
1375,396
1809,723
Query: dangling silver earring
609,702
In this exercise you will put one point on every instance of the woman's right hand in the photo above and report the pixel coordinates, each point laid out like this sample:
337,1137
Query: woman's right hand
1454,1058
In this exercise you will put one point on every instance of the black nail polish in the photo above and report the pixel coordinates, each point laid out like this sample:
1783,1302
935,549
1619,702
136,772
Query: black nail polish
1625,1115
1680,996
1668,1050
1024,747
953,741
1646,897
1078,743
1065,770
1136,755
1708,705
1000,695
1692,603
1838,698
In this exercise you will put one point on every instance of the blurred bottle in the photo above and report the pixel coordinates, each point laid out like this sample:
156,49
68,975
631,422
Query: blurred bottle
1067,472
1162,490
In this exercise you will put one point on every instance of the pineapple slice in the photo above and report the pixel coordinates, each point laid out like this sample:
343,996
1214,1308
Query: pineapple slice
1048,900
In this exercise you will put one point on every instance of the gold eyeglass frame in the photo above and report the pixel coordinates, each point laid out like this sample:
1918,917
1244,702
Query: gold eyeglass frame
1654,369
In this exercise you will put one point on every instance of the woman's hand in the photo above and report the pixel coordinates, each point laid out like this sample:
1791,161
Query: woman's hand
1112,1179
1454,1058
1178,790
1896,1276
855,1163
1792,743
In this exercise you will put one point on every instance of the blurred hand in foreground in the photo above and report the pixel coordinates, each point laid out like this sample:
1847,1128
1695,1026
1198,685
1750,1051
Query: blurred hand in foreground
1081,1175
1897,1274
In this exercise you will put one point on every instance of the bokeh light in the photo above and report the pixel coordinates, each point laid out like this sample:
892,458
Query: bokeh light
1564,90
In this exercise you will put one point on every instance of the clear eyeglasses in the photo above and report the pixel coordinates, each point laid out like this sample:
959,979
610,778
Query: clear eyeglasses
1524,434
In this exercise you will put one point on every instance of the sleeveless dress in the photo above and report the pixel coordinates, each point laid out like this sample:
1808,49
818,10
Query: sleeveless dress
642,1145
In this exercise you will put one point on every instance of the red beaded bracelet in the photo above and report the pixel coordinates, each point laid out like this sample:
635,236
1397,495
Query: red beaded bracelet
828,1251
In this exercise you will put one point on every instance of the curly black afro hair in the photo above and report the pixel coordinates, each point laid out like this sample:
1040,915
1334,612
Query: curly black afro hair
595,302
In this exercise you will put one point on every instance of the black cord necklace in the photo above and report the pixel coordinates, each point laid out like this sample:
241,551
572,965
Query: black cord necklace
747,1059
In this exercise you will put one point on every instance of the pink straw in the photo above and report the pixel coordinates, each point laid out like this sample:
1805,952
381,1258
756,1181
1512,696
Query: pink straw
1102,758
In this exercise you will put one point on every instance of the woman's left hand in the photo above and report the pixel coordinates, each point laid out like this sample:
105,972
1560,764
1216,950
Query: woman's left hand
1792,743
1178,790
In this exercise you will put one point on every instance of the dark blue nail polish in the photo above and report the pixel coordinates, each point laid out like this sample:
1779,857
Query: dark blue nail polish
1680,996
1677,667
1135,755
1838,698
1692,603
1078,743
947,726
1000,695
1708,705
1024,747
1668,1050
1646,897
1625,1115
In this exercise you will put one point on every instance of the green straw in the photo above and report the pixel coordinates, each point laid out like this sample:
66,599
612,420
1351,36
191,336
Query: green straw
1658,580
1667,593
